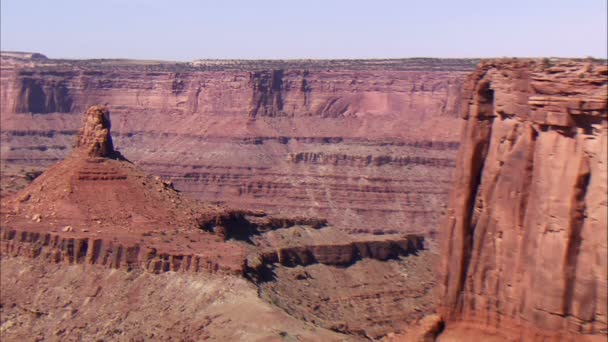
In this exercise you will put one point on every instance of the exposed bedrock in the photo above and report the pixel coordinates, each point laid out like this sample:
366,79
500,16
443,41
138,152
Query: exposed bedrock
302,241
244,224
368,285
55,248
526,230
341,254
367,145
370,298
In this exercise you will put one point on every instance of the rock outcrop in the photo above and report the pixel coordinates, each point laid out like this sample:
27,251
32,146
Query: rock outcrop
371,298
343,254
526,230
95,138
105,252
94,207
337,139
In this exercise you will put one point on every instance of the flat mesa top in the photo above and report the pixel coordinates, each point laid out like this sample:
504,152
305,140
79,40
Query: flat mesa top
26,60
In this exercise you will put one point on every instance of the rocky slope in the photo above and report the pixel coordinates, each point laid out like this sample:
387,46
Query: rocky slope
367,144
526,230
369,298
79,302
95,207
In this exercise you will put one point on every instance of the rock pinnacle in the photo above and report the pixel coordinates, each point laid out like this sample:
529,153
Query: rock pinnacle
94,138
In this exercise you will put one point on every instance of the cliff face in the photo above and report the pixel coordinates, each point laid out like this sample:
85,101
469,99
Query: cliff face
367,145
526,230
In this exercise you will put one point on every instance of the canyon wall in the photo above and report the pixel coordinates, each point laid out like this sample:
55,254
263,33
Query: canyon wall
526,229
370,145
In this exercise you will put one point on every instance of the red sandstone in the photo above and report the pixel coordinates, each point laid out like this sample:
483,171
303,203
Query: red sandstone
370,146
525,252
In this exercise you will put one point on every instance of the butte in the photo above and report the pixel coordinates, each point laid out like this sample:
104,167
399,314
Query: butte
97,207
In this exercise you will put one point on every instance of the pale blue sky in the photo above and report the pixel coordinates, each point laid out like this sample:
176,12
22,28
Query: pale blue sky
188,29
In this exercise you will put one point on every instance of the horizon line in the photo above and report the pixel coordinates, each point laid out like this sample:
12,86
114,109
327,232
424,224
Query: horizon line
44,56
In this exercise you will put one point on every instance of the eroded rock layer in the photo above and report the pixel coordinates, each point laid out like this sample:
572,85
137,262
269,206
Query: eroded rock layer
526,230
362,285
370,298
367,144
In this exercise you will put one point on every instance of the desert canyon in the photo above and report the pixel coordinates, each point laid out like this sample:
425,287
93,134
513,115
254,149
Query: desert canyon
304,200
352,141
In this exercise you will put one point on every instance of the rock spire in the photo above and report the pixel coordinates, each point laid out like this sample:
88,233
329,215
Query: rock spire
94,138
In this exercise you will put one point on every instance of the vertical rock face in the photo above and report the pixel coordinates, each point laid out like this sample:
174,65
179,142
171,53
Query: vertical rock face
95,138
526,230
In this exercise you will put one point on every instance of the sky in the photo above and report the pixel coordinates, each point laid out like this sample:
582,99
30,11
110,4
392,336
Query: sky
184,30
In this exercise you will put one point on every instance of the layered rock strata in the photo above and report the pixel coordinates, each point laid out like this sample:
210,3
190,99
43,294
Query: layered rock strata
94,207
370,298
357,284
368,144
100,211
70,250
526,230
97,210
342,254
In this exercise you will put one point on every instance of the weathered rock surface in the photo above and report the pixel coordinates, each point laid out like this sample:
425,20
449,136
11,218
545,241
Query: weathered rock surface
96,210
303,246
108,253
357,284
368,144
95,138
93,209
369,298
526,231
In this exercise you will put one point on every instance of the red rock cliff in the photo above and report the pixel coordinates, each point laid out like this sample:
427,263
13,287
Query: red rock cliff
526,232
368,144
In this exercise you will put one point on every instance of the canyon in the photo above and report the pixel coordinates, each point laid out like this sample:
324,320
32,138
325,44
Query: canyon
95,210
402,200
368,144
